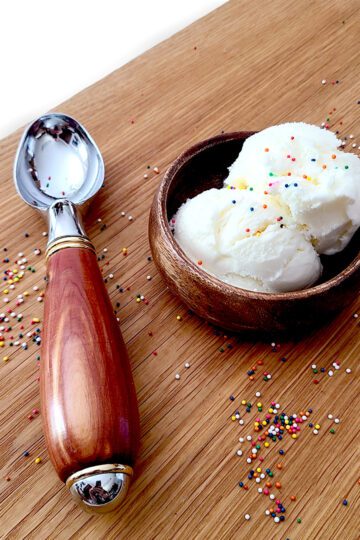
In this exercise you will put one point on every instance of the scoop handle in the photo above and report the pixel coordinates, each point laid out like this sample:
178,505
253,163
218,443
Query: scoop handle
89,407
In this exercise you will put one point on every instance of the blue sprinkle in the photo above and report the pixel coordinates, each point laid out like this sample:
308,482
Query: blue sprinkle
234,202
313,159
295,185
251,209
232,398
286,185
281,452
345,502
241,484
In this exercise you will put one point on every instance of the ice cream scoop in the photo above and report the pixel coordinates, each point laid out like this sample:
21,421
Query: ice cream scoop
89,407
304,165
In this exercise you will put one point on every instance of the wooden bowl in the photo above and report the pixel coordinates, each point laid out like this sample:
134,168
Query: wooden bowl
204,166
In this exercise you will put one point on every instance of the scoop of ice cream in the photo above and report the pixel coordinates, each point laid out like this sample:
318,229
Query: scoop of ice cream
246,239
303,166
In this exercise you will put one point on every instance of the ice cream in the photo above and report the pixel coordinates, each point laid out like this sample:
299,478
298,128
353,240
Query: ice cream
290,195
318,182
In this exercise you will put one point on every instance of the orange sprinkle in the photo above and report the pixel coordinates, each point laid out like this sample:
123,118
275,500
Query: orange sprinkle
268,484
199,263
264,205
278,485
247,230
266,149
279,466
293,498
289,174
266,192
251,378
333,156
324,166
305,176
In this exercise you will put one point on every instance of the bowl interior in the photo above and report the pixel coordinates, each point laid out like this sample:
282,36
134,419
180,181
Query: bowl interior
205,166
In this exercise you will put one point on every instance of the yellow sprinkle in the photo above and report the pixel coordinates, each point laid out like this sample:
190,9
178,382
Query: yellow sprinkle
10,282
294,436
266,444
38,460
36,320
179,317
258,469
6,291
124,250
5,358
15,271
26,293
138,300
243,402
256,424
264,423
233,418
286,421
16,279
317,426
2,343
259,404
271,411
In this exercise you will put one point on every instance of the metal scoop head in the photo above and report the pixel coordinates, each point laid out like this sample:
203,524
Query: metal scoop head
57,159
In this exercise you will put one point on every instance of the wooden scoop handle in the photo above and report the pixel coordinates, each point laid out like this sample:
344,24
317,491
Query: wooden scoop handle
89,406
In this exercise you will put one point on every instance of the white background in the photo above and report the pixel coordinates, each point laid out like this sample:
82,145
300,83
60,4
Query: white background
51,49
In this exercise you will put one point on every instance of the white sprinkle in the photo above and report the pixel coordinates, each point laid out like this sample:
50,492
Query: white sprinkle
35,288
99,220
268,376
258,394
37,251
247,517
177,376
323,81
142,297
337,420
355,315
273,344
249,460
322,124
6,300
239,452
348,370
249,438
354,145
254,451
241,422
39,299
351,136
130,218
262,476
44,233
187,365
241,439
313,366
276,519
272,496
258,480
156,170
105,250
259,490
122,214
315,432
111,276
330,416
267,512
237,416
148,277
145,175
330,373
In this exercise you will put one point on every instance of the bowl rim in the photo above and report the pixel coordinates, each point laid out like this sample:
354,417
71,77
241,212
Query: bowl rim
162,196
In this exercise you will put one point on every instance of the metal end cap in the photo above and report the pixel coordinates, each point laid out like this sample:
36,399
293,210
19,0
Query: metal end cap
100,489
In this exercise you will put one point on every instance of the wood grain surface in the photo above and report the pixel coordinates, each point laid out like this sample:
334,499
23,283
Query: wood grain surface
243,67
88,401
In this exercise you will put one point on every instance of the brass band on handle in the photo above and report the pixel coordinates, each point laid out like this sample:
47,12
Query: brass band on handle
68,242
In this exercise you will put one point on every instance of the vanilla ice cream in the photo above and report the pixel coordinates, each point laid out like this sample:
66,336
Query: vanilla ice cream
290,195
319,183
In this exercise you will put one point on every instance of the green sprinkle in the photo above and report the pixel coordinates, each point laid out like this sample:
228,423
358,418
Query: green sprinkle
298,520
332,431
251,189
271,174
346,166
221,349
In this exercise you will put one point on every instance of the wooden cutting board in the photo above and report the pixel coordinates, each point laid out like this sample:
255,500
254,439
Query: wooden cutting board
245,66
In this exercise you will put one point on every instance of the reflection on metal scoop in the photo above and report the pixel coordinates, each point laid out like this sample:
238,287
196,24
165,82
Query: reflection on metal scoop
89,407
